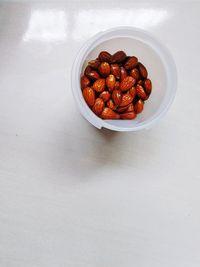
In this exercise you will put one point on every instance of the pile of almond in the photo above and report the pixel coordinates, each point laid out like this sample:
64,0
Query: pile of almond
116,86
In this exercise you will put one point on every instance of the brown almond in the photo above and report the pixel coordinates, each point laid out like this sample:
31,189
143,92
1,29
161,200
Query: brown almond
110,104
126,100
98,106
131,63
117,85
88,69
140,82
141,92
85,82
128,115
104,69
142,70
104,56
110,82
135,73
119,57
105,95
115,70
122,109
132,91
139,105
127,83
117,97
109,114
99,85
130,108
93,75
89,96
148,86
94,63
123,73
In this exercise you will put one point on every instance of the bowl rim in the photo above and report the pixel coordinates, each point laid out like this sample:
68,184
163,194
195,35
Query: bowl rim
139,34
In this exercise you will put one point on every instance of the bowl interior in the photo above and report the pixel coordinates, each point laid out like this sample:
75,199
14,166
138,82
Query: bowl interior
156,72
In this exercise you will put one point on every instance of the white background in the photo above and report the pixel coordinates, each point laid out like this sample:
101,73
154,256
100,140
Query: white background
71,195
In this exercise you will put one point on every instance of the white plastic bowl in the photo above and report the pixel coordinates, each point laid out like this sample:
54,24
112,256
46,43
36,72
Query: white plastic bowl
157,59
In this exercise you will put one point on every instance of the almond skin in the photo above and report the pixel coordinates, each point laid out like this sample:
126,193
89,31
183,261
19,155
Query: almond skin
140,82
148,86
105,95
142,70
117,85
119,57
89,96
139,105
99,85
104,69
110,82
123,73
94,63
98,106
132,91
85,82
88,69
104,56
126,100
109,114
141,92
93,75
128,115
127,83
122,109
110,104
130,108
135,73
117,97
131,63
115,70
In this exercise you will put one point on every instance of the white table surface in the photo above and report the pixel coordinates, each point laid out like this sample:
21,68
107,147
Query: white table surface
71,195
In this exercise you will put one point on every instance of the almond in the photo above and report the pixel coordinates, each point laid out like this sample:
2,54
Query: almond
148,86
105,95
119,57
140,82
98,106
109,114
117,85
115,70
117,97
110,82
139,105
128,115
122,109
110,104
88,69
126,100
142,70
140,92
94,63
123,73
89,96
104,69
104,56
130,108
132,91
131,63
99,85
93,75
135,73
127,83
85,82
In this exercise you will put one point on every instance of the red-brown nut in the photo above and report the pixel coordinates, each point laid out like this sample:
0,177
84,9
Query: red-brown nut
89,96
117,97
135,73
109,114
148,86
132,91
115,70
128,115
104,56
131,63
110,82
142,70
98,106
117,85
141,92
139,105
130,108
119,57
105,95
94,63
127,83
85,82
126,100
110,104
99,85
104,69
123,73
